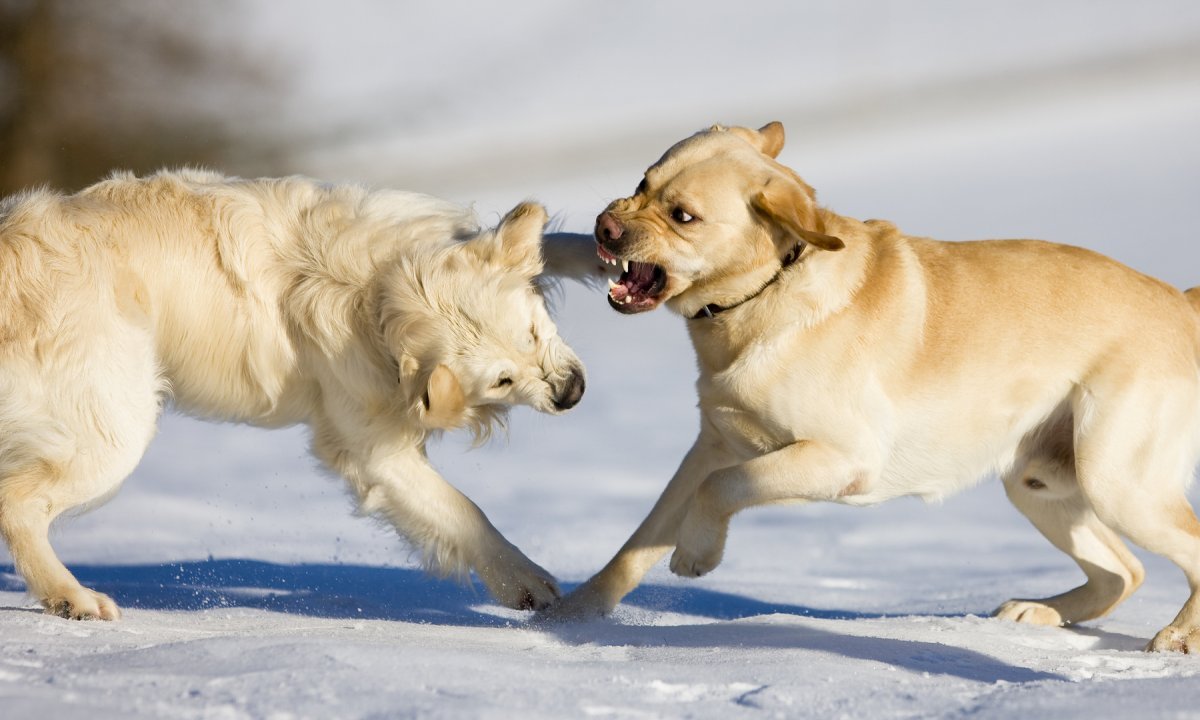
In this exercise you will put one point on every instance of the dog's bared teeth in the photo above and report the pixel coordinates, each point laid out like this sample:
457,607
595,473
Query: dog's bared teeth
628,300
625,265
612,285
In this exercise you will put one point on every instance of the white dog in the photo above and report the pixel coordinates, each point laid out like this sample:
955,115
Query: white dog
846,361
374,317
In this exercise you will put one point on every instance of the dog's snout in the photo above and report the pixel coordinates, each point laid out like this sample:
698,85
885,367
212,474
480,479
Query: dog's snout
608,227
570,392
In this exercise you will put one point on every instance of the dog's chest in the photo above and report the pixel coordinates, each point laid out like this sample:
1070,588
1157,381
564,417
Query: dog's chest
791,388
762,408
744,432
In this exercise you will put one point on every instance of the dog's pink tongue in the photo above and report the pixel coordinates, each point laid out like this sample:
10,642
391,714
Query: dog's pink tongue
619,292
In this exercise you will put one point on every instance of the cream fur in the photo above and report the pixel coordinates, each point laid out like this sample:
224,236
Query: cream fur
882,365
376,318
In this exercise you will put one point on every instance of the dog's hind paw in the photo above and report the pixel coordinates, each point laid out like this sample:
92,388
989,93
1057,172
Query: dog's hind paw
82,604
1028,611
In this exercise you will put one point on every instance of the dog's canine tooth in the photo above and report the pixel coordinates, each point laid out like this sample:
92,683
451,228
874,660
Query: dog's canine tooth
612,285
625,265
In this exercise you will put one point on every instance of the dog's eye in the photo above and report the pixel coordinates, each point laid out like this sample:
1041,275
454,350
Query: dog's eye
641,188
504,381
682,216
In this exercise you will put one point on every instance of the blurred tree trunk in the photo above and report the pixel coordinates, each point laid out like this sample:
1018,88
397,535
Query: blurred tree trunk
24,50
89,87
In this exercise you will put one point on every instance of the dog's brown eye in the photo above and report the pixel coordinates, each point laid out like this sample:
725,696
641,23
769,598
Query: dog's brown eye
682,216
504,381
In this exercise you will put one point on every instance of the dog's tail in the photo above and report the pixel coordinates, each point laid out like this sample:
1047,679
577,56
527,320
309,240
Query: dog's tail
1193,296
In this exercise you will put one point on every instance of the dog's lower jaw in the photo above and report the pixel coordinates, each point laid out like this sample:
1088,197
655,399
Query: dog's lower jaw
633,308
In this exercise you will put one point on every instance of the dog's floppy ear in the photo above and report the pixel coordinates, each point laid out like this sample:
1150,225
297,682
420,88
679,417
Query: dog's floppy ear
518,241
789,204
768,138
444,399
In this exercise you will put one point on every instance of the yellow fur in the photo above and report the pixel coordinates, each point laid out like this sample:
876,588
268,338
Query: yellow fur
881,365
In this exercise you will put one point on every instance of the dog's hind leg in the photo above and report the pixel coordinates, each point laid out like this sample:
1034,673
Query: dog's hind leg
1136,449
1047,492
29,502
69,443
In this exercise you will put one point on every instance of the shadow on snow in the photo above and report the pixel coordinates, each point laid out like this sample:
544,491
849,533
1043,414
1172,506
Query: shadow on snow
367,592
410,595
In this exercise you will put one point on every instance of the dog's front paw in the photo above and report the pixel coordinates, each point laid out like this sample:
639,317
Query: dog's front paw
581,605
1176,639
1030,612
81,604
700,546
518,583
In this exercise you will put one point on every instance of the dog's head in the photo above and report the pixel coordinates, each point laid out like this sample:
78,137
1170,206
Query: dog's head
709,223
469,328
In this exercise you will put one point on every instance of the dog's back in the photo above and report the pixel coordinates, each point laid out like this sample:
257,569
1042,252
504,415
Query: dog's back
222,272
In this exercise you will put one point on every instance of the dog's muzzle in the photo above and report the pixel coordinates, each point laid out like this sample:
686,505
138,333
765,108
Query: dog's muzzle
568,394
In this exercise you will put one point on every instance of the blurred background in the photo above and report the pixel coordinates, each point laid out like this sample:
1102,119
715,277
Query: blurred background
1070,120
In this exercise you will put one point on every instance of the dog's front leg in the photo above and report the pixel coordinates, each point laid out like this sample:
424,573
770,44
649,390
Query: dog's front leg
805,470
653,538
451,532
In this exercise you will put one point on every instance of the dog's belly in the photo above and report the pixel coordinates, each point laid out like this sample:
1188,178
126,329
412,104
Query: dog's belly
930,451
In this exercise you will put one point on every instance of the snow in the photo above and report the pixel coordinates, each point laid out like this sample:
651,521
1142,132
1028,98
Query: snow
251,591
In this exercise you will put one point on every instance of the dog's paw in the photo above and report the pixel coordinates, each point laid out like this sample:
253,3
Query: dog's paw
81,604
1175,639
687,564
700,547
582,605
1028,611
519,584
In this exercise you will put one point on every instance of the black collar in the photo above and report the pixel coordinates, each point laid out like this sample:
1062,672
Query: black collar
711,309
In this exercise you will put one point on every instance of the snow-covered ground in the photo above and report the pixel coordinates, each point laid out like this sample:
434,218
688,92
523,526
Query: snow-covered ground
249,588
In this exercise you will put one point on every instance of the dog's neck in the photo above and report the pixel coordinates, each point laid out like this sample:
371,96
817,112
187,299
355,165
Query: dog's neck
804,296
711,310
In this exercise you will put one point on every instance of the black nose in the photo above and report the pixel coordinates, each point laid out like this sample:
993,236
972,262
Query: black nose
571,391
607,227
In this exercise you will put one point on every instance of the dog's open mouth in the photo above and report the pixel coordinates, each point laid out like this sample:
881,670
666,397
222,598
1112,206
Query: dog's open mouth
639,286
